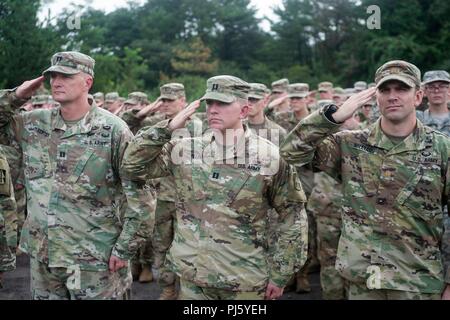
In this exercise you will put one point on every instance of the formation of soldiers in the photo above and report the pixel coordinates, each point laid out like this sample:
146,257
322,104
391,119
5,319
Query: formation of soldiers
243,201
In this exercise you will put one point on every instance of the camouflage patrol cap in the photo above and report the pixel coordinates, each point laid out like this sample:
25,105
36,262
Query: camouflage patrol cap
325,86
280,86
71,62
121,99
226,89
298,90
257,91
399,70
136,98
349,91
112,96
338,91
360,86
172,91
436,75
99,96
41,99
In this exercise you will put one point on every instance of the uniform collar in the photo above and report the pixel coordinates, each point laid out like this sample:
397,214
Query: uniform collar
82,127
415,141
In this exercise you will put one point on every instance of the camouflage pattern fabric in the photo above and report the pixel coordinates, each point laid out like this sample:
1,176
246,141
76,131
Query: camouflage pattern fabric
357,291
75,193
190,291
269,130
8,220
438,124
392,224
220,238
50,283
162,240
325,203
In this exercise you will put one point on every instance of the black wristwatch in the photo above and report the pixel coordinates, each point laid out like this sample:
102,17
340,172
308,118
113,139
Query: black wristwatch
328,111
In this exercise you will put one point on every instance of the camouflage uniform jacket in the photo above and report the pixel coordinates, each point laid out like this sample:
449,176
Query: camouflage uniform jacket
220,238
268,130
74,190
441,126
287,120
393,200
8,222
164,186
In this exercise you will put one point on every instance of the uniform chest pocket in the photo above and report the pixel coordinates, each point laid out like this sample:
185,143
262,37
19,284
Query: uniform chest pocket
37,162
89,171
422,194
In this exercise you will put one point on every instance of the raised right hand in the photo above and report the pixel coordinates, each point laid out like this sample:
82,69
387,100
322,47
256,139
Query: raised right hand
180,119
352,104
28,88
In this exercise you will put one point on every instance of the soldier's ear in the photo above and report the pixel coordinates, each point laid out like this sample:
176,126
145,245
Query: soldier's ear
89,81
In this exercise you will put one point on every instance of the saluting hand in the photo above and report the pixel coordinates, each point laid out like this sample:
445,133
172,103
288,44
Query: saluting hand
273,292
180,119
28,88
152,107
352,104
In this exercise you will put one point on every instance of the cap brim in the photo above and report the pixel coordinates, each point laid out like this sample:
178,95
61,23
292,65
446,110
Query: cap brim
278,91
255,96
226,98
435,80
133,102
61,69
168,97
406,81
298,95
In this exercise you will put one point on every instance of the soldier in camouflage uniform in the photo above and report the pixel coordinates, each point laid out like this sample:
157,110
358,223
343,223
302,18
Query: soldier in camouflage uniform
84,220
225,182
325,95
396,179
437,116
171,101
136,101
257,121
278,98
8,220
99,98
112,102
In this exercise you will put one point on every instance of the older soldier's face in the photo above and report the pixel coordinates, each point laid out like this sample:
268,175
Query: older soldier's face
68,88
222,116
397,101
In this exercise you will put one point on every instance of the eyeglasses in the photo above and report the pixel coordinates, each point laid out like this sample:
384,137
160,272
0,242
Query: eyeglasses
441,87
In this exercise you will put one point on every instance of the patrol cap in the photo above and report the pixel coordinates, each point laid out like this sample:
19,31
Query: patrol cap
325,86
98,96
280,86
136,97
112,96
360,85
226,89
399,70
71,62
257,91
349,91
339,91
436,75
172,91
298,90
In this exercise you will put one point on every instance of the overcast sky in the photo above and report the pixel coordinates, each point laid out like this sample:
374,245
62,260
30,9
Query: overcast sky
264,7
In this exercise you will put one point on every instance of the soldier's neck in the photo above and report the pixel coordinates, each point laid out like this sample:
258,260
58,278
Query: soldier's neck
401,128
257,119
302,113
75,110
229,136
438,108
